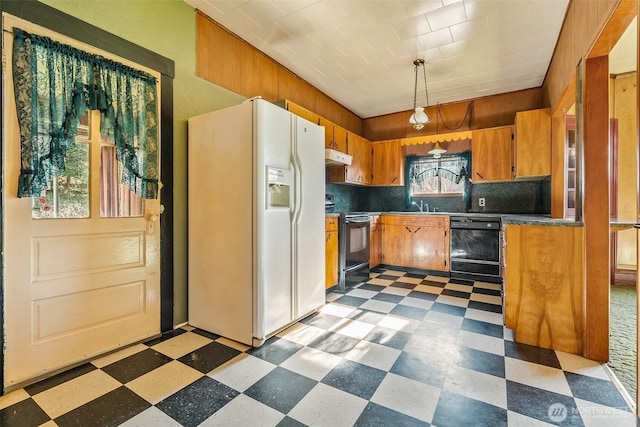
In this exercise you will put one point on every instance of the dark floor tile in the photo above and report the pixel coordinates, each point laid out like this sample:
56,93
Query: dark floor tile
58,379
596,390
321,320
480,361
207,358
24,413
333,343
529,353
290,422
429,369
448,309
461,281
542,405
111,409
387,277
197,401
165,336
376,415
369,287
378,269
493,308
206,334
485,291
388,297
423,295
403,285
389,337
415,275
483,328
136,365
456,293
275,350
355,378
281,389
367,316
410,312
352,301
454,410
433,283
446,335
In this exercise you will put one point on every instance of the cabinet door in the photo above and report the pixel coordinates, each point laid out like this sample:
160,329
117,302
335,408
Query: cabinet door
375,245
331,258
396,244
340,139
491,154
360,170
429,248
533,143
387,163
302,112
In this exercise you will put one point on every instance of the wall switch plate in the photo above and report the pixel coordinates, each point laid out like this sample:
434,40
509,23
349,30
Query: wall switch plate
481,202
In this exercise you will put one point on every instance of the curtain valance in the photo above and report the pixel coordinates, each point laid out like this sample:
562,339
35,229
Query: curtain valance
440,137
55,84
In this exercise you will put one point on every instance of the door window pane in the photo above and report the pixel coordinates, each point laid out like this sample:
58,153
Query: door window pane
116,199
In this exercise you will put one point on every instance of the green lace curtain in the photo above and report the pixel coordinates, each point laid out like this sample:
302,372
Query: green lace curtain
55,84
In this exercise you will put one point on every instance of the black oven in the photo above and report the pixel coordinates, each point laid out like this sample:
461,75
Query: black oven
353,235
475,248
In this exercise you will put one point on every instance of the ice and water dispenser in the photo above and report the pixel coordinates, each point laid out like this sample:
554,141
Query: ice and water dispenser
278,187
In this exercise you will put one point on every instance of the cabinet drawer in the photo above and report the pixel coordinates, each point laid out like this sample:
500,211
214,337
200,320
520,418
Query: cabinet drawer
417,220
331,223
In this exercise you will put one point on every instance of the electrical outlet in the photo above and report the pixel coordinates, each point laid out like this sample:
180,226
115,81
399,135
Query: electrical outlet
481,202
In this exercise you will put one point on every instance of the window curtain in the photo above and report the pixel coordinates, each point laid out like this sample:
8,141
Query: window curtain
54,85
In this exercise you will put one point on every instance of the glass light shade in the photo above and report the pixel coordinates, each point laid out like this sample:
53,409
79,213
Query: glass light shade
419,118
437,150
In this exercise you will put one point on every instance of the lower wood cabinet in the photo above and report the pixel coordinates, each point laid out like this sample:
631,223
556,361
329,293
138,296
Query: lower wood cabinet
420,241
375,242
331,251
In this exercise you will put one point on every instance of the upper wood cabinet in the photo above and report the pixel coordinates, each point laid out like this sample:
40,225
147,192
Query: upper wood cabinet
491,158
533,144
388,163
359,172
334,136
300,111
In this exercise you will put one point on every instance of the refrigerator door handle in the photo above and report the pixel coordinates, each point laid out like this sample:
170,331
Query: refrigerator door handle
297,193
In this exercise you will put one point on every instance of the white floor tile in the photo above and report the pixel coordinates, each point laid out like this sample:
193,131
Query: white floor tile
381,282
118,355
375,355
508,334
352,328
151,417
417,302
458,302
242,371
13,398
535,375
233,344
489,299
337,309
332,296
437,279
361,293
76,392
182,344
481,342
486,285
240,411
580,365
477,385
515,419
399,323
407,396
379,306
311,363
412,280
484,316
301,333
459,287
328,406
444,319
394,273
162,382
594,415
396,291
428,288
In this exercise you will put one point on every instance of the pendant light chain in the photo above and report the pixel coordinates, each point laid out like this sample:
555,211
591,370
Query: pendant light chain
415,86
424,73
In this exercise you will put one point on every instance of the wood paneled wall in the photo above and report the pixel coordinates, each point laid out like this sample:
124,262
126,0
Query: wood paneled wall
582,27
486,112
230,62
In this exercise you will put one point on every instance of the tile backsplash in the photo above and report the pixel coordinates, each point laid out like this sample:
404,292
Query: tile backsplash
518,197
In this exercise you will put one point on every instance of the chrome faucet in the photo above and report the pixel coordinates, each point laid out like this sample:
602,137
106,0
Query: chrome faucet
424,207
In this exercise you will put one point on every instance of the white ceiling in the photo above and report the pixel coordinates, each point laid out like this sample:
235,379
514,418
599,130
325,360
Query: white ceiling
361,52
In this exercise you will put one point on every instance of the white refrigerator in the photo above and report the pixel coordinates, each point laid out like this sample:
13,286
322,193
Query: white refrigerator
256,220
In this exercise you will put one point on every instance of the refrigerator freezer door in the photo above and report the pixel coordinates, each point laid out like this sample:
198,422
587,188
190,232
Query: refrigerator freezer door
272,231
308,218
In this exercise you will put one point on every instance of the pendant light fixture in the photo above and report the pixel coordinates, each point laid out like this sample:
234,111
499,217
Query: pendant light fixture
419,118
437,151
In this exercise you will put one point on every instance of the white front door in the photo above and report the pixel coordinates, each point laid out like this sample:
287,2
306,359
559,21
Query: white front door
81,262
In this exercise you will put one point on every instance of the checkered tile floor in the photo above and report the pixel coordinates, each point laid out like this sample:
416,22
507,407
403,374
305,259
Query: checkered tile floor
403,349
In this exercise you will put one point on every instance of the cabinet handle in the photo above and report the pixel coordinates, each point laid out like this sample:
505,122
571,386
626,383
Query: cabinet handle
481,177
328,237
408,229
395,178
417,229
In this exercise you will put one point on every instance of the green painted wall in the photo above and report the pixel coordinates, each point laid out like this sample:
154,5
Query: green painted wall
167,27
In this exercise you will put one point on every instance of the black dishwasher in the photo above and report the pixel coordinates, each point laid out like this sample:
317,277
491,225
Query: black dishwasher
475,248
